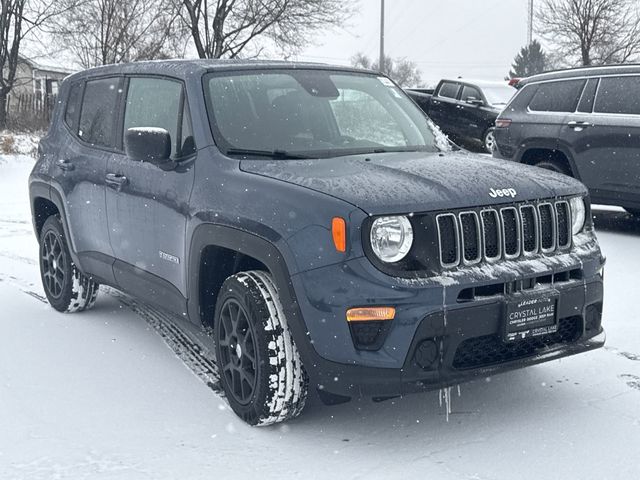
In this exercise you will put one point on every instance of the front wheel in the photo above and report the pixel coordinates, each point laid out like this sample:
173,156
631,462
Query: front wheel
67,289
260,368
553,166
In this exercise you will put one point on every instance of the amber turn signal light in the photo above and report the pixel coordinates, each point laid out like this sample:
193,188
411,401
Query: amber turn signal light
370,314
339,233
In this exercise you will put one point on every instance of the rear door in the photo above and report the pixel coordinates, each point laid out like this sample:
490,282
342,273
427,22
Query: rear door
444,103
549,111
606,141
147,206
90,118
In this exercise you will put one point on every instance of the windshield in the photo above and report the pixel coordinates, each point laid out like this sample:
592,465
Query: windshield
313,113
499,94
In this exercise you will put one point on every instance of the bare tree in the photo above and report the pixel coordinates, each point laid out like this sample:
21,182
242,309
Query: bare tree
230,28
592,32
18,20
100,32
403,71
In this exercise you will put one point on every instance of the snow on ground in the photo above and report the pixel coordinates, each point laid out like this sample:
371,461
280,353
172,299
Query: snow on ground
19,143
99,395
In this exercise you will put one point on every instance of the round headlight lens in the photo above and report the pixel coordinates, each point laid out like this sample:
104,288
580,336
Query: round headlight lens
578,214
391,238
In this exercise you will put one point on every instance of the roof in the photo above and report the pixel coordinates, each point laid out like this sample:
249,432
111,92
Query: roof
478,83
45,67
183,68
581,72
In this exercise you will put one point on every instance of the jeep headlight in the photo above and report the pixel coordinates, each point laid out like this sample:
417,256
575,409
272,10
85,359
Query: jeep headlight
391,238
578,214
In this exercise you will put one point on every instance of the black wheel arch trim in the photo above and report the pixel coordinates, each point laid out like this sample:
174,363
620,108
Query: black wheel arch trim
39,189
265,251
554,145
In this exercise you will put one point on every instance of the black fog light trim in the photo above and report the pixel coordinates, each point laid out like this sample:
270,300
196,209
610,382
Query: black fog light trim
369,335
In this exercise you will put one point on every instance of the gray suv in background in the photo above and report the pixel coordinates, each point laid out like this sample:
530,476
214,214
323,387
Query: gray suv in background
582,122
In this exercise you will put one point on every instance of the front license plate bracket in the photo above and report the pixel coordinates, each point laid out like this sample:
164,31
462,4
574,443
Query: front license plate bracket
530,315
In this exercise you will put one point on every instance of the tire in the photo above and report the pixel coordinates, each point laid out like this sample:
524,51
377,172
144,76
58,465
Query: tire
489,140
67,289
260,368
553,166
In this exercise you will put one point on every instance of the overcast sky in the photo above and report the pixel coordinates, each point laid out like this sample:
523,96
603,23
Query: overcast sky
445,38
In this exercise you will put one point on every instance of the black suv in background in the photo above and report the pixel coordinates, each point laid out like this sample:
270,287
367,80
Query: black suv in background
582,122
316,223
465,110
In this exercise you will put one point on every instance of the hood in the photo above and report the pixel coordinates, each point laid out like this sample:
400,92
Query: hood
417,181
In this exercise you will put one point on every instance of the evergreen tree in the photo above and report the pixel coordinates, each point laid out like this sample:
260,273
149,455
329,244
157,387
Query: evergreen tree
530,61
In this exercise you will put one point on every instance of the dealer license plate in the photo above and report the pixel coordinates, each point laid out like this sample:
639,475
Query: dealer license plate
531,316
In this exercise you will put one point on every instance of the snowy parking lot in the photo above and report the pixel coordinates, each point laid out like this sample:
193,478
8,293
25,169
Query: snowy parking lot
121,393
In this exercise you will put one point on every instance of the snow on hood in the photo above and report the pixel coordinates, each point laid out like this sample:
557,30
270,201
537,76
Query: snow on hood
417,181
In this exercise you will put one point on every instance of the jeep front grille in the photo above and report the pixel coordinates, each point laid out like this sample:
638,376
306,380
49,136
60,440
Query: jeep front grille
498,233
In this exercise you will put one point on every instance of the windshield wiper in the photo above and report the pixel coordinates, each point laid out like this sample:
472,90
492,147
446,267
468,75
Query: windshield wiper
275,154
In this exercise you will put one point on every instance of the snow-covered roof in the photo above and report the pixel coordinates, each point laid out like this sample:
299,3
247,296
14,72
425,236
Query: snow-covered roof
37,65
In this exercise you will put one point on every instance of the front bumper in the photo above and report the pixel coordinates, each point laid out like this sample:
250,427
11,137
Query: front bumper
466,333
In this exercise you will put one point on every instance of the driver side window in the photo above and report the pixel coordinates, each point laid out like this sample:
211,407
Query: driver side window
160,103
468,92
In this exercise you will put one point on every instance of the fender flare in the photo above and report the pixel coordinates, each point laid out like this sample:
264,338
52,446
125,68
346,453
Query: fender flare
555,145
46,191
263,250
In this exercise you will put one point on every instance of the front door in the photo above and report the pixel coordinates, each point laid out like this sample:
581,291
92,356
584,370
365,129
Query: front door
472,116
443,107
147,206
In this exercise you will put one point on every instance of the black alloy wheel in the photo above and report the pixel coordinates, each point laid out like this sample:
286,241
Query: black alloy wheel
54,264
237,347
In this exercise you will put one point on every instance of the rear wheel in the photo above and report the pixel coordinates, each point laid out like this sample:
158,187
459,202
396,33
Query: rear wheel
260,368
66,288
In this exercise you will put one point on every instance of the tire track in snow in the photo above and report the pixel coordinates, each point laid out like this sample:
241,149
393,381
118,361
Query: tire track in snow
629,356
195,356
632,381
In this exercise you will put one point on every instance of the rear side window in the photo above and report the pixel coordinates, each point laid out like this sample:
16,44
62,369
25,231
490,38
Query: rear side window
448,90
73,105
557,96
97,118
159,102
618,95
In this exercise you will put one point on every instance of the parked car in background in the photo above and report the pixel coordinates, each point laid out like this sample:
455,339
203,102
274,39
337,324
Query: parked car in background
312,218
465,110
582,122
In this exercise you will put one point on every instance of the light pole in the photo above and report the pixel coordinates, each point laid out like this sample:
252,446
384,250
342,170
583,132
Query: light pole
381,60
530,23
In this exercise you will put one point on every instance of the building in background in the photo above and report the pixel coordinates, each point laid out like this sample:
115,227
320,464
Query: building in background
34,94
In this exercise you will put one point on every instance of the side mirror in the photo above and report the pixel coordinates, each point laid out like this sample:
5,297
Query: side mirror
148,144
474,101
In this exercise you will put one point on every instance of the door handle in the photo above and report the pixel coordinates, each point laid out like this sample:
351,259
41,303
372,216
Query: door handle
65,164
116,181
578,125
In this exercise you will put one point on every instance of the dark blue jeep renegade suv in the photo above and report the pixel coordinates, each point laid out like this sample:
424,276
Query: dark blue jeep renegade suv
314,219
